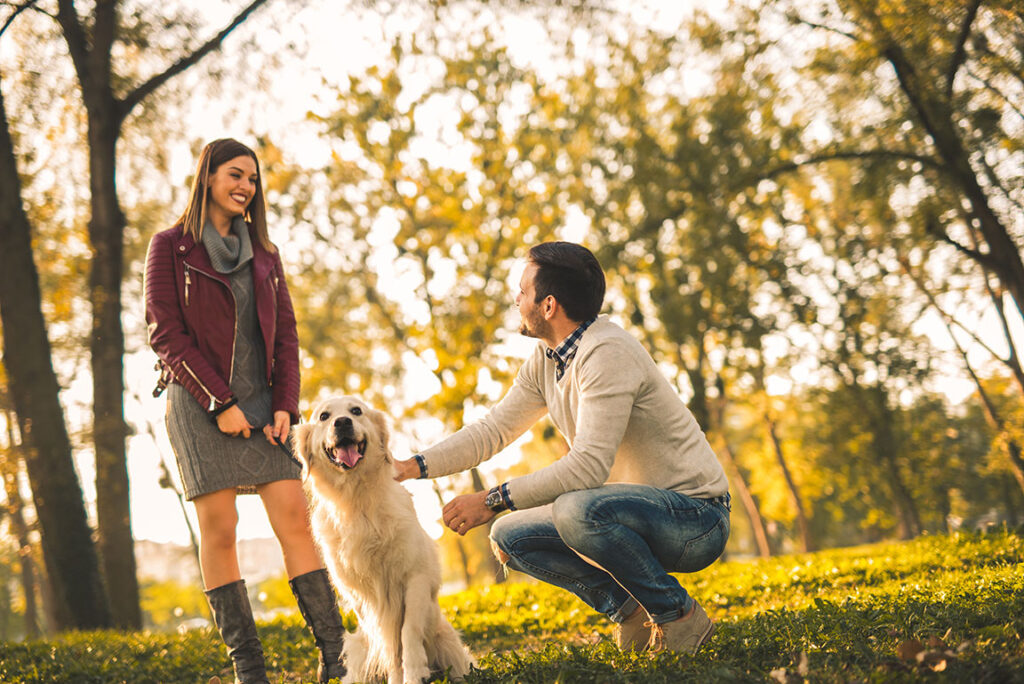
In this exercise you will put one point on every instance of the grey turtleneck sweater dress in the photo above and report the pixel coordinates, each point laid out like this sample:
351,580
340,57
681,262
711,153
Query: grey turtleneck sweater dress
208,459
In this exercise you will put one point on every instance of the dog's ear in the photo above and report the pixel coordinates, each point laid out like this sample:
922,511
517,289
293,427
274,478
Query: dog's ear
302,440
380,423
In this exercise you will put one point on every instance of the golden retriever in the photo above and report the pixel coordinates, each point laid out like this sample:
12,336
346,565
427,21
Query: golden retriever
380,558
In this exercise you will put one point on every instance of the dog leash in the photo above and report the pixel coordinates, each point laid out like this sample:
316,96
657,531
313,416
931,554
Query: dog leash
288,451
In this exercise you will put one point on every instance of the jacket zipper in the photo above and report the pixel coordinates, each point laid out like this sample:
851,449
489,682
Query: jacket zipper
213,399
188,281
234,330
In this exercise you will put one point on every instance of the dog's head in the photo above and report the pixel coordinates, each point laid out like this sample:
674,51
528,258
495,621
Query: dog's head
343,436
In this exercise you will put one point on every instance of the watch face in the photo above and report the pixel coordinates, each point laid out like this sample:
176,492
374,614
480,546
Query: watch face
493,499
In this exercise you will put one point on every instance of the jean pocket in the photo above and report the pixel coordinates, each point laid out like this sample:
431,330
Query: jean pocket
703,550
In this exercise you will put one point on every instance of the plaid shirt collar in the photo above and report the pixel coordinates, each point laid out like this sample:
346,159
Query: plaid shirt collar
564,353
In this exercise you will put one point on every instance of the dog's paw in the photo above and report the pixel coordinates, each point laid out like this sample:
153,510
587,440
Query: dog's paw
417,677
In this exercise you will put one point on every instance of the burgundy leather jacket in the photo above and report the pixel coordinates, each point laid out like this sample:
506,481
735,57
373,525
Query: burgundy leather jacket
190,311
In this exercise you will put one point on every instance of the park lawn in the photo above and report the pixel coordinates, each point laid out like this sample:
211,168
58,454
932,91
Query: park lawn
939,608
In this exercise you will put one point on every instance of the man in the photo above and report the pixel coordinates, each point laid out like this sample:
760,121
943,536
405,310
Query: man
640,493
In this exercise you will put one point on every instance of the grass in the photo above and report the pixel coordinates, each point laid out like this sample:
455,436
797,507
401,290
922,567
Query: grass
945,609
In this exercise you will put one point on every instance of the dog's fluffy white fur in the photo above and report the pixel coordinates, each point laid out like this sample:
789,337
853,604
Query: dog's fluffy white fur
380,558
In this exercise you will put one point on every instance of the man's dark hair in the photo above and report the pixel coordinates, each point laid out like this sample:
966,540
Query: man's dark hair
572,275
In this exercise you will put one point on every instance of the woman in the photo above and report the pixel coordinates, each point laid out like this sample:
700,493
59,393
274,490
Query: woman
221,321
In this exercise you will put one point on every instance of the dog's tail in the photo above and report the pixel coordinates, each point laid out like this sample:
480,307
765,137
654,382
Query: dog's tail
449,651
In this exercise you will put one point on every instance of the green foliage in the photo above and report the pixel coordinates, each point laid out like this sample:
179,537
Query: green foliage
887,612
168,602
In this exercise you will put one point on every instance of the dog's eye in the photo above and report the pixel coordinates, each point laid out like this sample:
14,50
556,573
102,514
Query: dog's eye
325,415
356,411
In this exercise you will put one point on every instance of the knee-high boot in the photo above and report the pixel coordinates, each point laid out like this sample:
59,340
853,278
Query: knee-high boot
233,615
319,607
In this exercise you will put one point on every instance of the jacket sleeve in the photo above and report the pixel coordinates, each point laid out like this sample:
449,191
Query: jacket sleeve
285,377
168,335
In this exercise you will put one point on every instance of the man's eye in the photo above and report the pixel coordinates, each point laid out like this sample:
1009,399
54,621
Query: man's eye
325,415
356,411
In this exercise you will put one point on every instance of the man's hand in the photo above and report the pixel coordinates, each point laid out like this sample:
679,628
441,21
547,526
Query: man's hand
278,432
232,422
465,512
408,469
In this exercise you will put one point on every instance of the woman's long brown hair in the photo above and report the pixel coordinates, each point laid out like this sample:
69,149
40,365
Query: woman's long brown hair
213,155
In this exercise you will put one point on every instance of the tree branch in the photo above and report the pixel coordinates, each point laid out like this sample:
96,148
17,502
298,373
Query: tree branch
18,10
986,261
74,36
140,93
814,25
960,51
852,154
949,319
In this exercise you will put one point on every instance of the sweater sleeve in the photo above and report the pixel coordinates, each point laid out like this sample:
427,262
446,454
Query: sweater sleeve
520,408
609,379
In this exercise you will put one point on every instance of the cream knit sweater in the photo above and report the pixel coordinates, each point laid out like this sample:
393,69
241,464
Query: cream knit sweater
622,419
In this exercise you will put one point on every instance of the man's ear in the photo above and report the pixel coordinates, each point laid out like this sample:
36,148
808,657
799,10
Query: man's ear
380,423
549,307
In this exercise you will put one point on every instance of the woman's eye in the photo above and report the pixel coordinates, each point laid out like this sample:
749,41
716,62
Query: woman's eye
325,415
356,411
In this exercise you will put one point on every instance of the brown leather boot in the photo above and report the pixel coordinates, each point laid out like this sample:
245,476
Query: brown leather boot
233,615
319,607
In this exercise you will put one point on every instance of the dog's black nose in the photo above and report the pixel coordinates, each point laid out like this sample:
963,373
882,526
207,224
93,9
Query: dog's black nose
342,422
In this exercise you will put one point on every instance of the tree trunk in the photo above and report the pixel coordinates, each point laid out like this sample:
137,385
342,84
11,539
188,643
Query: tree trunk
807,542
882,439
15,509
113,510
67,541
739,483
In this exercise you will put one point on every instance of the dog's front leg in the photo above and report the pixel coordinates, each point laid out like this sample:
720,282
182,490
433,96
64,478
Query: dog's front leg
418,623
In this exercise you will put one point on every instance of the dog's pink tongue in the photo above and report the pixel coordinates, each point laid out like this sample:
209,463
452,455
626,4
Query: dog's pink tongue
349,455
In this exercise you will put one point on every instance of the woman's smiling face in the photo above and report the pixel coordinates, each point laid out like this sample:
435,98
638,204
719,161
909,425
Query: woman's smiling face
232,187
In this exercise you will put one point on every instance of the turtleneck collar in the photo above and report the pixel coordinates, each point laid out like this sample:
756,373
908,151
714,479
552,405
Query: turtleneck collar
230,253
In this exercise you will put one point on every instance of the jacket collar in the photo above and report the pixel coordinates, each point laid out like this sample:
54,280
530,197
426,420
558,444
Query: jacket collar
186,248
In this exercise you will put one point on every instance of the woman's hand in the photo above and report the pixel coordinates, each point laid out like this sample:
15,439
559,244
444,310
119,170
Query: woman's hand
232,422
277,433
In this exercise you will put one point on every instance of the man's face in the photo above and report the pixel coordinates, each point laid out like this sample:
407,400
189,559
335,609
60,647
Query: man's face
533,323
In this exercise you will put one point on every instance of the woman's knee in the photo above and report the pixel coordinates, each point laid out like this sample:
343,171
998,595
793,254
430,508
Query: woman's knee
218,521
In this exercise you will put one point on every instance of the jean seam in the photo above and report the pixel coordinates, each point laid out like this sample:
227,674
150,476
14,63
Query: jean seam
718,524
548,573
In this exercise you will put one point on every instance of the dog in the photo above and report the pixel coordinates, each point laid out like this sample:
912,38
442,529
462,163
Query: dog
380,558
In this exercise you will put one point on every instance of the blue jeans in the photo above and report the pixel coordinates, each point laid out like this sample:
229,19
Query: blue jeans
615,545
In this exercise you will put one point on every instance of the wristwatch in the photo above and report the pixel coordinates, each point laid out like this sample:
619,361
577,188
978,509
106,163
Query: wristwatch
494,500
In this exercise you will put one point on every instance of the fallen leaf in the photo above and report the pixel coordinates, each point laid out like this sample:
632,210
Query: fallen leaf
909,649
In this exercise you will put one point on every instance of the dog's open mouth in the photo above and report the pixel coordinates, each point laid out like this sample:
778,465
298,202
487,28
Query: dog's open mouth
347,453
